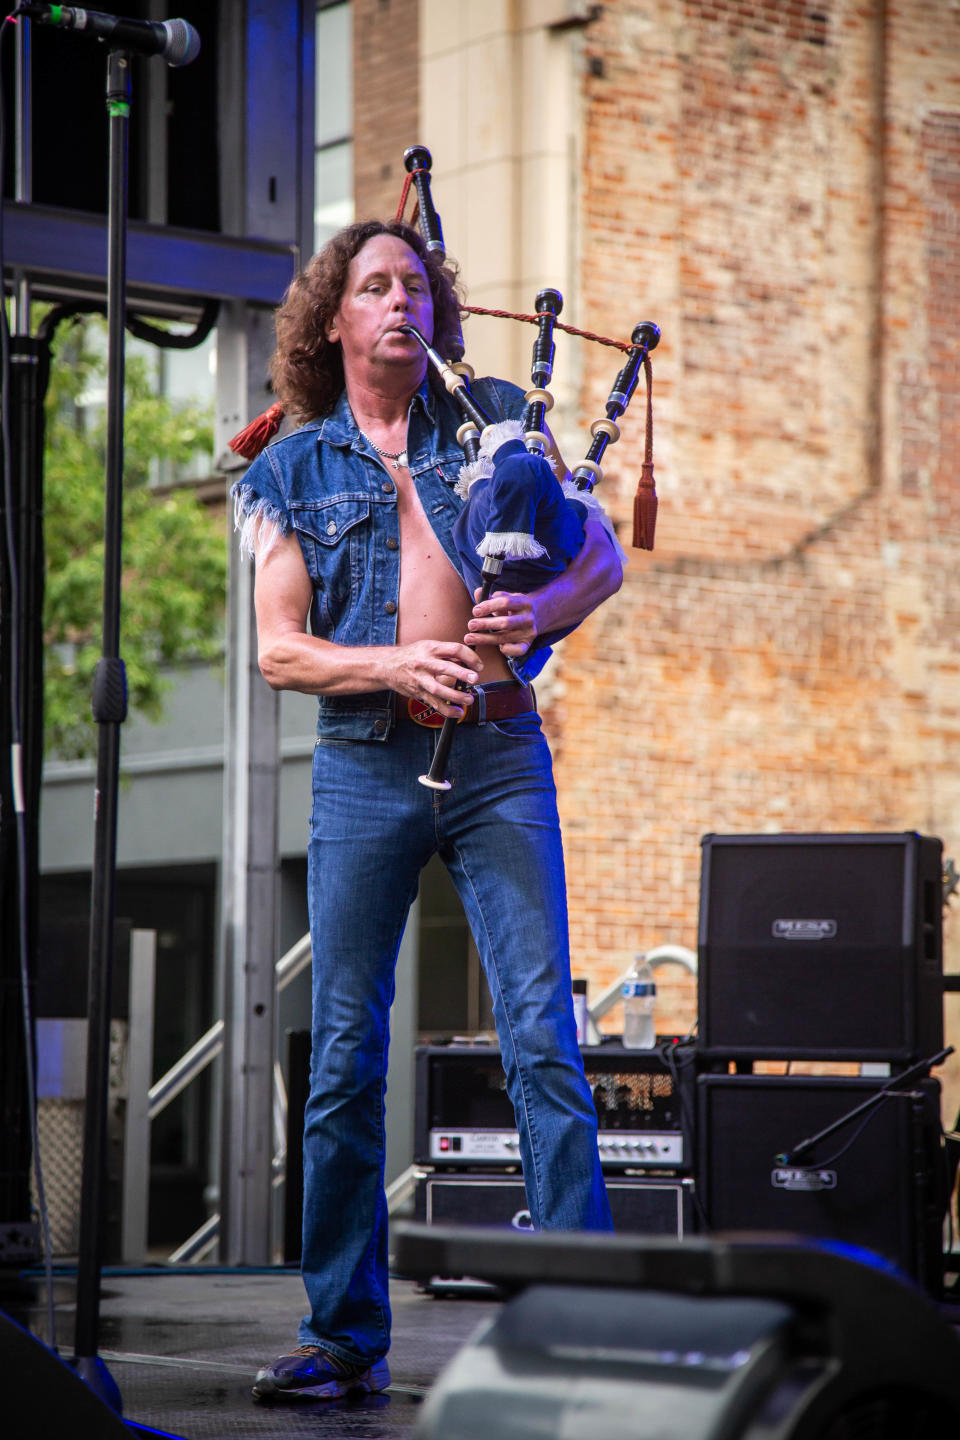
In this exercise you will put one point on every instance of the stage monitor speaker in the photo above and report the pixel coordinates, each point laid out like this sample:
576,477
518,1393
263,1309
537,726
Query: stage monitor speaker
874,1183
634,1339
44,1396
821,947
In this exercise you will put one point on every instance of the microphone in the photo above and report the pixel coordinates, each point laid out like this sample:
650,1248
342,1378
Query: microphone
173,40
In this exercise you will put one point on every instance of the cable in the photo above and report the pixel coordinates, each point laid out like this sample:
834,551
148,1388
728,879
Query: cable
680,1055
141,329
947,1191
16,749
951,1167
882,1096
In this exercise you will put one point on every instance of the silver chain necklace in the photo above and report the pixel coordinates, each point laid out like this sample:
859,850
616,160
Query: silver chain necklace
399,459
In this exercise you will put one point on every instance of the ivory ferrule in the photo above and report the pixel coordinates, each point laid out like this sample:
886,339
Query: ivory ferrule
536,438
587,474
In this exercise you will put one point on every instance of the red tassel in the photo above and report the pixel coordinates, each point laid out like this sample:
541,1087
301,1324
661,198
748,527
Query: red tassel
253,439
645,509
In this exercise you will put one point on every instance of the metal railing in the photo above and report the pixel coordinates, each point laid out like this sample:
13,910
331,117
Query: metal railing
193,1063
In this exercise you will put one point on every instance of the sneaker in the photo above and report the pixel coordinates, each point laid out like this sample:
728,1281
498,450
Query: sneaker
310,1370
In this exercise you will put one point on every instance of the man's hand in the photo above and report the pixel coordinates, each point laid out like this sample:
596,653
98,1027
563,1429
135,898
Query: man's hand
428,670
292,659
507,620
514,621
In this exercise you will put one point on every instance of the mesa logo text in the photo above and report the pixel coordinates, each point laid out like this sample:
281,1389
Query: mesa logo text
804,929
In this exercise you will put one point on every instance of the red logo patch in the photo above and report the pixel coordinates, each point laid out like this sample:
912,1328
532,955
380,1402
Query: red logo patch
424,714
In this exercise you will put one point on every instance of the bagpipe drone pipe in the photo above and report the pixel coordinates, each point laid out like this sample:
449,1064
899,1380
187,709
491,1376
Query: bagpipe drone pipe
521,525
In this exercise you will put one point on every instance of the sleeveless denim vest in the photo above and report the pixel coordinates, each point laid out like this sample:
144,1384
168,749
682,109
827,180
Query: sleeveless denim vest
325,484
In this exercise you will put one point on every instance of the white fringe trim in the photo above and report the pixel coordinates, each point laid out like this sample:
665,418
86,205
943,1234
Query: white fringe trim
498,434
469,475
490,441
258,522
515,543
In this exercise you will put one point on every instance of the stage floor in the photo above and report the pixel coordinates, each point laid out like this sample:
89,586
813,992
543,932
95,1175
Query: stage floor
183,1346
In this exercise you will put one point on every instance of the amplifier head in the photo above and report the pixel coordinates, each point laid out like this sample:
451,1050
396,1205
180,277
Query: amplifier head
464,1116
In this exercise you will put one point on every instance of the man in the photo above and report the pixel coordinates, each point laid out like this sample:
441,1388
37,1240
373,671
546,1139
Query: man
359,602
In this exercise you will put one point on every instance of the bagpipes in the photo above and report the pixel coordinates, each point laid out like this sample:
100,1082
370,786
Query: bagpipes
645,337
513,496
514,501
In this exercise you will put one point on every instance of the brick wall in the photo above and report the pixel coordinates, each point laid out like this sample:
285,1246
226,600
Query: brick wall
778,186
386,102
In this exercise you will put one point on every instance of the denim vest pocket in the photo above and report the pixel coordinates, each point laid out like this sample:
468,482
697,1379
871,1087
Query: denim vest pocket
334,537
329,520
448,465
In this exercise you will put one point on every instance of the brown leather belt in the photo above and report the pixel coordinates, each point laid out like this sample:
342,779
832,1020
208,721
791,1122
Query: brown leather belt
501,700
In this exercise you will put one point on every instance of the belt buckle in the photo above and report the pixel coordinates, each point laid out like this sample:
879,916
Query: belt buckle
424,714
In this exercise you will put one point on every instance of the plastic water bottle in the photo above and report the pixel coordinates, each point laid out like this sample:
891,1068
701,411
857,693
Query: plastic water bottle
639,996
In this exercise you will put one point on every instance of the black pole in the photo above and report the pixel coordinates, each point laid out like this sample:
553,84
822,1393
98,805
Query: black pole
30,370
109,711
21,724
18,886
893,1087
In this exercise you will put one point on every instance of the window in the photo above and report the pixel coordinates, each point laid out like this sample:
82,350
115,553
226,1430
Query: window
333,193
181,382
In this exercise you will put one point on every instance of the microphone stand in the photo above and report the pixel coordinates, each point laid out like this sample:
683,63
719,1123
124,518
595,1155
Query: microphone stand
922,1067
109,711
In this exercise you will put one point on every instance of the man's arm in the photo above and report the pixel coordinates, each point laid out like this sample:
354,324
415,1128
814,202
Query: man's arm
292,659
513,621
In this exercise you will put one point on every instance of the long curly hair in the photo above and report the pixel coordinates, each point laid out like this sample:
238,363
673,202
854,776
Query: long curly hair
306,367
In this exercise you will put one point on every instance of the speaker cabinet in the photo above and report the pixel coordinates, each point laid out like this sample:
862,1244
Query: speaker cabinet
872,1183
821,947
640,1206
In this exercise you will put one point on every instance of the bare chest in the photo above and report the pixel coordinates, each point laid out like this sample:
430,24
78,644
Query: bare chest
434,603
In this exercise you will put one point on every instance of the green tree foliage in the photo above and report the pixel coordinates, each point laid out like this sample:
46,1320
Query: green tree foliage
174,553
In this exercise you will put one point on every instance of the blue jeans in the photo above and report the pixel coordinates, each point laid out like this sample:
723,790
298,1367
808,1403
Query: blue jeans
373,828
